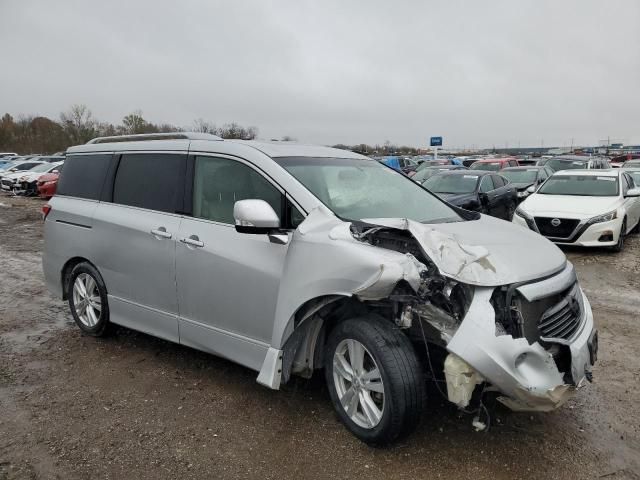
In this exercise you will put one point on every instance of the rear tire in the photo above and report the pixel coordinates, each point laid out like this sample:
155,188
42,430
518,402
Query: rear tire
385,397
87,296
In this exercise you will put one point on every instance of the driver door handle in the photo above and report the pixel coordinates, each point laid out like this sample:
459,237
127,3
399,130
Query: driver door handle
192,241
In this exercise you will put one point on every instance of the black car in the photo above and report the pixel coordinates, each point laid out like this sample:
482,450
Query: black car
477,190
526,179
425,173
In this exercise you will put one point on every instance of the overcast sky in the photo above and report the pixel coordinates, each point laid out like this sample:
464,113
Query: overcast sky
476,72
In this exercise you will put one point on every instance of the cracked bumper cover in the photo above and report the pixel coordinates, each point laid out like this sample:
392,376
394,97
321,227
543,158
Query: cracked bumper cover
526,374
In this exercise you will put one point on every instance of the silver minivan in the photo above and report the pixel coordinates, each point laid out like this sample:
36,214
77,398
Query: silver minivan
289,258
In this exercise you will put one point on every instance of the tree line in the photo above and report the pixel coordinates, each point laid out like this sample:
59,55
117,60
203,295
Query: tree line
37,134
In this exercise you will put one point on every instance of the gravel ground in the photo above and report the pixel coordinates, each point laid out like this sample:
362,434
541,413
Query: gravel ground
132,406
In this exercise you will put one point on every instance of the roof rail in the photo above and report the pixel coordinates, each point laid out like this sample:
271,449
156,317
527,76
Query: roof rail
156,136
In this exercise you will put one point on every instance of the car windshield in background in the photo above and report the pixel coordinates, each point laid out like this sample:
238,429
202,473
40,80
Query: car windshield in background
631,164
520,176
357,189
43,167
492,166
452,183
556,164
426,173
582,185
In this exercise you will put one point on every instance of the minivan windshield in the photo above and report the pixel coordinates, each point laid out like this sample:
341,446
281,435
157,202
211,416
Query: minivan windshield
452,183
356,189
521,176
581,185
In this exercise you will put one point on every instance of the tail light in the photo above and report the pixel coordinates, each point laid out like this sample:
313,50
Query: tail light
46,208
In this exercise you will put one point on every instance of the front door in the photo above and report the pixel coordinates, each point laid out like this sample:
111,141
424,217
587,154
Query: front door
227,281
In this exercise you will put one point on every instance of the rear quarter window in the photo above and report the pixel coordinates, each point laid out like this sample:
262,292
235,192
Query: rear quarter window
84,176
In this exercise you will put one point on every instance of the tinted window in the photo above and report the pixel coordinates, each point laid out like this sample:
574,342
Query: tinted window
219,183
452,183
149,180
498,181
83,176
486,185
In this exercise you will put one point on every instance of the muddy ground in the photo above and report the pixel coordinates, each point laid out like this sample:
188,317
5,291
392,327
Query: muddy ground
132,406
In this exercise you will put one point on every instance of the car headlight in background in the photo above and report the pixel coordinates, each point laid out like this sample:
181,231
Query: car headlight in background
521,213
523,194
607,217
527,218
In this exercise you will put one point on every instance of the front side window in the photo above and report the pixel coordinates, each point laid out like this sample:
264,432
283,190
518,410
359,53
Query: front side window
581,185
356,189
219,183
149,180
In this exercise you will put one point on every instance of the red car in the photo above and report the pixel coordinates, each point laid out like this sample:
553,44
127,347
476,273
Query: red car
495,164
48,183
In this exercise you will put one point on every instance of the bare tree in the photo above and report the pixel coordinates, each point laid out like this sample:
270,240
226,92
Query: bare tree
204,126
134,123
78,123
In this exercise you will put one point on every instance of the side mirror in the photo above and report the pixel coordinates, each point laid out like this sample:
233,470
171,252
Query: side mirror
633,192
531,189
255,216
484,198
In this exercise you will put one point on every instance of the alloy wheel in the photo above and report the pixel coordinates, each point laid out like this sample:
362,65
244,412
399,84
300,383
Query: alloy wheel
358,383
86,300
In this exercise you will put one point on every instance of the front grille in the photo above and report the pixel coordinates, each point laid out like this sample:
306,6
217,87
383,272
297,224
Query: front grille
563,229
563,319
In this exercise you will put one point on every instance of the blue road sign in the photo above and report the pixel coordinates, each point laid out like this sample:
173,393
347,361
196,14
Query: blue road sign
436,141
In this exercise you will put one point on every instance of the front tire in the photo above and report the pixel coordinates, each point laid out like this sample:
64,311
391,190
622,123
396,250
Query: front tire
374,378
87,296
617,248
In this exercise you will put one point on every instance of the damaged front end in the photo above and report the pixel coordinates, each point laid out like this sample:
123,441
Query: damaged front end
532,341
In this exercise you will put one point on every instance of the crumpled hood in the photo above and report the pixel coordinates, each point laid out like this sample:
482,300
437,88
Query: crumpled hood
485,252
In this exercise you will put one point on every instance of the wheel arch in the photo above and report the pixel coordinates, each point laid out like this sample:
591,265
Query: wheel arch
67,268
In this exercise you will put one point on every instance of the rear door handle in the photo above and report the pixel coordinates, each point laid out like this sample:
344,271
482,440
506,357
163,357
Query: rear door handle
192,241
161,232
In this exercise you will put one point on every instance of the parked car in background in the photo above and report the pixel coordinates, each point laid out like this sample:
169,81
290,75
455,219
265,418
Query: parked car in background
27,184
631,164
48,183
19,166
479,191
494,164
589,208
427,172
620,160
355,270
526,179
577,162
10,180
